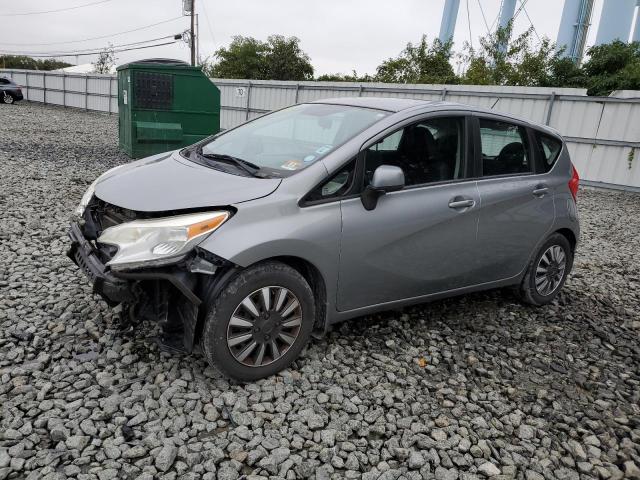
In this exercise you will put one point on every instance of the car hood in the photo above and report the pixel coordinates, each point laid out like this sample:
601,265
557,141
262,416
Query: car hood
169,182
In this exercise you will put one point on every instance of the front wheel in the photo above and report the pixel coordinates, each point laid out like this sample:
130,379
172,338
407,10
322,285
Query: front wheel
547,272
260,322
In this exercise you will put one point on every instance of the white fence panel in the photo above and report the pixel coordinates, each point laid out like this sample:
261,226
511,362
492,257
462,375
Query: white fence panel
55,97
36,80
76,100
76,83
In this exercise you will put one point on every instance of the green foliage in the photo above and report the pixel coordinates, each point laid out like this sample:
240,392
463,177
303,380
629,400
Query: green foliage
499,61
422,63
612,66
279,58
28,63
565,73
286,60
339,77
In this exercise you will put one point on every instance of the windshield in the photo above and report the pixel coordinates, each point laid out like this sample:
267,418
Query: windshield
293,138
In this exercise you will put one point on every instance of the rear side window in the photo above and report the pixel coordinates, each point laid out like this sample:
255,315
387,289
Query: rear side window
505,150
4,81
549,150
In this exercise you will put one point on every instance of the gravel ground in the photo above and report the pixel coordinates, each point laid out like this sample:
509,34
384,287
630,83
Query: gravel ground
468,388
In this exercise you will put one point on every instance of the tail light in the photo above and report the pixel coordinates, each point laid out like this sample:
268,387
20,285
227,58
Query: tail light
574,182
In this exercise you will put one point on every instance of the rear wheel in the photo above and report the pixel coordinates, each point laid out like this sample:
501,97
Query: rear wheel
7,98
547,272
260,322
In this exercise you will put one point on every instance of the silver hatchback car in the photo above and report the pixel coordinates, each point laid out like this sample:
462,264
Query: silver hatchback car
248,242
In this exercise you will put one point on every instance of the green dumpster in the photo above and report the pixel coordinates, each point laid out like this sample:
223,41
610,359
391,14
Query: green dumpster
164,105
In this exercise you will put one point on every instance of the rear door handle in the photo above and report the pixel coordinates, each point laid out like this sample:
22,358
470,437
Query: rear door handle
540,190
457,204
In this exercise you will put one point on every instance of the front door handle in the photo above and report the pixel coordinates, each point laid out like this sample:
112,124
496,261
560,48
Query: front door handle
540,190
458,203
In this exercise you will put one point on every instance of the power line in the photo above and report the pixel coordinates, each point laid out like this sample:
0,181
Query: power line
92,38
53,11
75,52
469,24
484,18
97,52
532,25
206,14
520,8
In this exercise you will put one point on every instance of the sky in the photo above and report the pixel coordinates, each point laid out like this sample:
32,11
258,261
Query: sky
338,35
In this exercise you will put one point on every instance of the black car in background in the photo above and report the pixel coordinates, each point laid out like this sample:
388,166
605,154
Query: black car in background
10,92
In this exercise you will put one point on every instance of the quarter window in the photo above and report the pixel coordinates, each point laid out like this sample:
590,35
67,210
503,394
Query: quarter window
504,148
549,149
428,151
337,186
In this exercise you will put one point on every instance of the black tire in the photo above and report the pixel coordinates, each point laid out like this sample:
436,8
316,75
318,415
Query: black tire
249,282
7,98
528,292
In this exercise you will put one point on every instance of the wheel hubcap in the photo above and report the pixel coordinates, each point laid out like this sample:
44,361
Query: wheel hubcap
264,326
550,270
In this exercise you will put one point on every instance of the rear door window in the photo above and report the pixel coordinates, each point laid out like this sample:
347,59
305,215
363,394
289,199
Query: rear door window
549,150
505,150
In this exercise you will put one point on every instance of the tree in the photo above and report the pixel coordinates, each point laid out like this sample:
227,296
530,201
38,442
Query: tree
28,63
244,58
341,77
285,60
106,60
499,61
279,58
422,63
565,73
612,66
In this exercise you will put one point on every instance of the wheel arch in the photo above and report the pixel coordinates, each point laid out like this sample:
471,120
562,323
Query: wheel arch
570,236
304,267
316,281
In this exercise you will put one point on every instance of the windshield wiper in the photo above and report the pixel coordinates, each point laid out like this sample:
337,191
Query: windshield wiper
245,165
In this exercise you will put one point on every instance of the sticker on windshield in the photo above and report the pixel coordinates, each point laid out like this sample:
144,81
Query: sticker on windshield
291,165
309,158
323,149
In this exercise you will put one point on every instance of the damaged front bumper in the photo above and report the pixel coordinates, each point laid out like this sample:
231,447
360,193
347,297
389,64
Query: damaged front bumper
170,295
111,288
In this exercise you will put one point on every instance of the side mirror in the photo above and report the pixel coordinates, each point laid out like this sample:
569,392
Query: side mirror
386,178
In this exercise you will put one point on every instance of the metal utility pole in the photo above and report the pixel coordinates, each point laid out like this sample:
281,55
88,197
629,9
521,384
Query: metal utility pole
193,33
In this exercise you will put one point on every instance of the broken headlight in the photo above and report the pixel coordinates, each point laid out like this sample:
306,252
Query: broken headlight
161,240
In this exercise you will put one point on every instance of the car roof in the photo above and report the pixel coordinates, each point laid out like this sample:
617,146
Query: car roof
392,104
381,103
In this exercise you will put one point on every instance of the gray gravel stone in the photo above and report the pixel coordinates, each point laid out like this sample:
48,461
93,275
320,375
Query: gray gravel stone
166,456
489,469
464,383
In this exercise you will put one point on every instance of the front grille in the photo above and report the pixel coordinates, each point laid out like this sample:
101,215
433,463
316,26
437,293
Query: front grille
108,215
98,216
